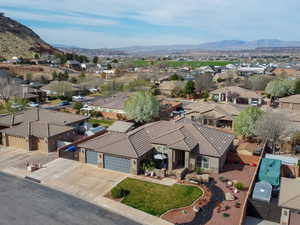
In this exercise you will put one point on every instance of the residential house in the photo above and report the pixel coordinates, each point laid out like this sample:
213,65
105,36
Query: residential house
289,201
291,103
183,144
213,114
73,64
112,107
167,87
236,95
39,129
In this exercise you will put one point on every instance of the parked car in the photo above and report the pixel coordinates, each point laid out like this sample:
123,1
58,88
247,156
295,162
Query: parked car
64,103
77,98
33,104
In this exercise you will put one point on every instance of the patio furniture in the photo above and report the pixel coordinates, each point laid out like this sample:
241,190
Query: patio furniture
229,196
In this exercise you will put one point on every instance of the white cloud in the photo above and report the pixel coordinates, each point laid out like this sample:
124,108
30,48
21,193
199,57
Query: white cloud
65,19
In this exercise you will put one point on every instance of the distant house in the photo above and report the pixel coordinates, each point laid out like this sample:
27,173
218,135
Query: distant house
166,87
213,114
112,107
181,144
73,64
291,103
39,129
236,95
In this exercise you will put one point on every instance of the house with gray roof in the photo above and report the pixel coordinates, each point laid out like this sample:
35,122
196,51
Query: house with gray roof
182,143
39,129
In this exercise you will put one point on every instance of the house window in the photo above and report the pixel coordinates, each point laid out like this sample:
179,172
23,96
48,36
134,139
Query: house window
203,162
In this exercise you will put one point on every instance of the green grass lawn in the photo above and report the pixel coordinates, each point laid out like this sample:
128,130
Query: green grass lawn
176,64
102,122
156,199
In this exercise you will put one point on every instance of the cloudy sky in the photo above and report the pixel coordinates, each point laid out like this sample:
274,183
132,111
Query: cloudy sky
119,23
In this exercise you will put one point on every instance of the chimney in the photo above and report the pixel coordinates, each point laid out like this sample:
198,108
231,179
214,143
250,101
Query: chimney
37,114
29,129
12,121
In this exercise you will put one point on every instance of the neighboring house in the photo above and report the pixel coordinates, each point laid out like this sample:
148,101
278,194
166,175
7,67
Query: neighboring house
236,95
36,135
184,144
112,107
291,103
50,89
167,87
213,114
73,64
39,129
289,201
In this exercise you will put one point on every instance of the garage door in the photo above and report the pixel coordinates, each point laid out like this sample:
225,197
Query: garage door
117,163
92,157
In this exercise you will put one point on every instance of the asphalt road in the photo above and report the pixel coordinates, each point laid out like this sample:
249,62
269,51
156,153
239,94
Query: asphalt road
23,202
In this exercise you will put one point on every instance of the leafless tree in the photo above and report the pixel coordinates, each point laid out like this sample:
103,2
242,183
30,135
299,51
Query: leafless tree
271,126
9,87
61,88
204,82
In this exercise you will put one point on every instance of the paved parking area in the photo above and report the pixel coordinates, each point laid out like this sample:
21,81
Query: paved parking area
26,203
13,161
82,180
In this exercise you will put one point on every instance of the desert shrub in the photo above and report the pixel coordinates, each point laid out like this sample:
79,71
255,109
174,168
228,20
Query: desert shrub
239,186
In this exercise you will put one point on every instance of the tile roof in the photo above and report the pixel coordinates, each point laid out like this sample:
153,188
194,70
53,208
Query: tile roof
113,102
38,129
121,126
132,144
51,116
181,135
244,93
215,110
291,99
289,196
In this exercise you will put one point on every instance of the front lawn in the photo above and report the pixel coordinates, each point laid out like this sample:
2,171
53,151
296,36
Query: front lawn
156,199
101,122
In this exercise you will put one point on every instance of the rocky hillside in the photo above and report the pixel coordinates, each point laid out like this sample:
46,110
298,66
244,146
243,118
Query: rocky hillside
19,40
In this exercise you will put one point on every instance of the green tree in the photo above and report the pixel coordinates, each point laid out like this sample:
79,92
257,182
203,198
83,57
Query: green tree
95,59
205,94
189,88
28,76
77,106
175,76
244,124
54,75
142,107
280,88
297,86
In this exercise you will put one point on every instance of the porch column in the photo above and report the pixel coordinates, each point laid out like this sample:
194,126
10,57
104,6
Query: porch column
259,101
234,101
220,97
187,160
249,101
170,159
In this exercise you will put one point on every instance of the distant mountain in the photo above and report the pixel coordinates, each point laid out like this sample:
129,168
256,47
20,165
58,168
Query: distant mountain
20,41
226,45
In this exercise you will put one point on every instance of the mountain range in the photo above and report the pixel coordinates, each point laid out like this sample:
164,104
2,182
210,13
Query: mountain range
225,45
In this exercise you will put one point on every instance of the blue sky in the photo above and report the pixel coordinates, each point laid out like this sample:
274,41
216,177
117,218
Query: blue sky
119,23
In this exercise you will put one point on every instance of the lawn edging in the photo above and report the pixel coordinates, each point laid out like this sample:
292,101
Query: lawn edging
193,203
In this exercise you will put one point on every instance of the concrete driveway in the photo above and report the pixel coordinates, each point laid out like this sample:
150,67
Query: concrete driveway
81,180
13,161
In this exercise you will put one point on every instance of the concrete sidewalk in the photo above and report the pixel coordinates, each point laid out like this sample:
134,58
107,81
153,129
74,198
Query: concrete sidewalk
131,213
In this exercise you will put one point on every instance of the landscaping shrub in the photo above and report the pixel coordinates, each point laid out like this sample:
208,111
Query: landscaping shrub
118,192
227,207
199,170
239,186
226,214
